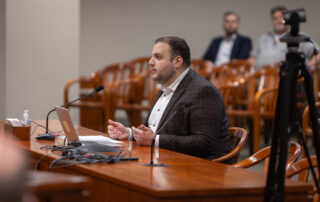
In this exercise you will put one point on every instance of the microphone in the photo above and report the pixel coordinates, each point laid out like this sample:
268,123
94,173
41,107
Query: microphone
181,107
50,136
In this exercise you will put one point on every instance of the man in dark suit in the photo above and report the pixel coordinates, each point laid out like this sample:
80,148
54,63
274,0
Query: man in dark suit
231,46
199,130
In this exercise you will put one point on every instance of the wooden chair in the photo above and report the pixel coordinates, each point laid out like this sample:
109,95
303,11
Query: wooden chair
301,168
306,129
239,136
141,93
302,97
226,92
255,102
232,72
92,109
242,67
223,76
263,155
199,66
128,95
140,64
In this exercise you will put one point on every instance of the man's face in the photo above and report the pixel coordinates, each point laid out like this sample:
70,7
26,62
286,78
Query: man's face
231,24
163,69
278,26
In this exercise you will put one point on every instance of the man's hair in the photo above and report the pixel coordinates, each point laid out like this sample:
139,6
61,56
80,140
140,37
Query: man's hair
278,8
178,47
231,13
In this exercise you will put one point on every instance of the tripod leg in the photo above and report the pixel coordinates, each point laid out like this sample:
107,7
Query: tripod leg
313,116
271,179
276,176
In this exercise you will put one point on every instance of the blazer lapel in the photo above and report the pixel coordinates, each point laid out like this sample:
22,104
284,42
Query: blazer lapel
176,95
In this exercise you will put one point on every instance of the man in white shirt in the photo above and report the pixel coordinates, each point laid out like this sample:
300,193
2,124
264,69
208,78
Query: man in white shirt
270,50
199,130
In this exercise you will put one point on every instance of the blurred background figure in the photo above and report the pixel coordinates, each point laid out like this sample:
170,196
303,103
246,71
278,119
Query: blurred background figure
270,50
230,46
13,173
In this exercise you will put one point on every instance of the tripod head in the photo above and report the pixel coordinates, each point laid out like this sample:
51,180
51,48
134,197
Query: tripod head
293,38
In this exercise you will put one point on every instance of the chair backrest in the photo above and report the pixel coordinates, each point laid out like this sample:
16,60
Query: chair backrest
114,73
240,66
221,76
140,65
199,66
306,128
226,92
264,154
238,138
264,78
302,97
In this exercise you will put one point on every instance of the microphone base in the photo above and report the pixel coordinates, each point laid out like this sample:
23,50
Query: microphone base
46,136
155,165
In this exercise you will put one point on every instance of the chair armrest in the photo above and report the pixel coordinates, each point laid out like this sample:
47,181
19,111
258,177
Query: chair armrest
254,159
67,89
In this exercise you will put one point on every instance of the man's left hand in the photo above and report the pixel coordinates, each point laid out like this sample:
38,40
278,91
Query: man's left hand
143,135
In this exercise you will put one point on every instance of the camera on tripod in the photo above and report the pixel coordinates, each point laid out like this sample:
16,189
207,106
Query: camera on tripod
293,18
286,116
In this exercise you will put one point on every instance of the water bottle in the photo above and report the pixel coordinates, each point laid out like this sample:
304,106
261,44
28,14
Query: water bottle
26,117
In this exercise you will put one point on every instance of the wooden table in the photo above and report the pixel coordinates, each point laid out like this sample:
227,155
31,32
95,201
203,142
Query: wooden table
186,178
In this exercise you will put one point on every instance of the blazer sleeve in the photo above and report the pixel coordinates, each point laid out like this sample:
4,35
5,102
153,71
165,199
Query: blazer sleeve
246,48
212,50
205,127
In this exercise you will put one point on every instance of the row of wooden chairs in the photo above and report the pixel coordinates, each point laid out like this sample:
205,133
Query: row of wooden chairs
293,166
251,95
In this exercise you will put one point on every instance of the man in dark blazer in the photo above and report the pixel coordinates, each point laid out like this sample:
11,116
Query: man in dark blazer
231,46
201,129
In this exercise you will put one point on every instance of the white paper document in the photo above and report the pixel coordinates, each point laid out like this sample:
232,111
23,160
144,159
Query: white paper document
101,140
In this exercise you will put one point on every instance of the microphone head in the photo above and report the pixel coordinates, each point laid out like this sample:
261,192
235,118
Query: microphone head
99,88
187,104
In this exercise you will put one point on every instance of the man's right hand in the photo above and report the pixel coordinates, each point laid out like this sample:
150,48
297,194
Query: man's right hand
117,131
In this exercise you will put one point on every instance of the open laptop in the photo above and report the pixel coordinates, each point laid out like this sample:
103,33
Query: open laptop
73,138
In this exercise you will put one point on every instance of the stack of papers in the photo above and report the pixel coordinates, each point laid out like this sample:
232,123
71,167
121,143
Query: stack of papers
101,140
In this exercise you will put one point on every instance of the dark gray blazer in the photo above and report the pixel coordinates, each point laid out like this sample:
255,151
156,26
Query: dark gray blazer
200,130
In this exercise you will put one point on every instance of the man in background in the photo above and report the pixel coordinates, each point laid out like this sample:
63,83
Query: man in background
230,46
270,50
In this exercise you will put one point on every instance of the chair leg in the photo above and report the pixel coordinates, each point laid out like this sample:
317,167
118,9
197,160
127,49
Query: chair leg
134,117
232,121
256,134
268,125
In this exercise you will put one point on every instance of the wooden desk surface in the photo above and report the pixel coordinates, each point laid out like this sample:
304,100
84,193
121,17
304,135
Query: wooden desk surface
185,176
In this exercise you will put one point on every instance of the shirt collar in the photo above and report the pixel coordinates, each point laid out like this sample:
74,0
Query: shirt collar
175,84
232,38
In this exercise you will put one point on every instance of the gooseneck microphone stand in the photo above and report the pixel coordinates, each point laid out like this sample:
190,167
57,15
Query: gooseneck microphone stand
151,164
98,89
